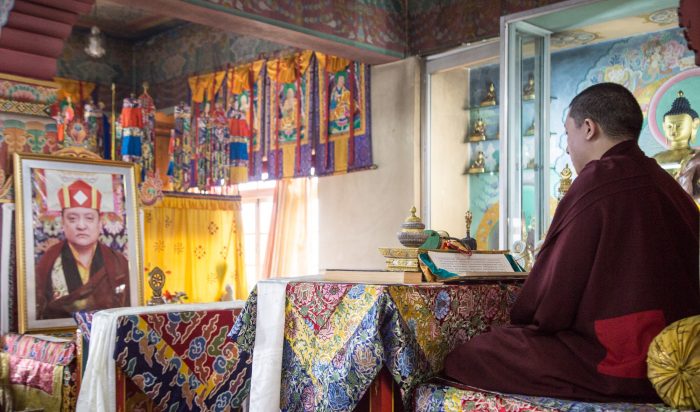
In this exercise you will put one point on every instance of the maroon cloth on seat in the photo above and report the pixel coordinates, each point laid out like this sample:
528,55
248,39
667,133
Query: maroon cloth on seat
619,263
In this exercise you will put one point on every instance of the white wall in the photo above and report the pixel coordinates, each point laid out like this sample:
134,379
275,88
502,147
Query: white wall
360,212
449,188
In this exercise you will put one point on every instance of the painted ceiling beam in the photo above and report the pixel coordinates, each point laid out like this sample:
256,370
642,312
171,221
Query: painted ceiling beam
33,37
48,13
27,64
75,6
29,42
39,25
228,20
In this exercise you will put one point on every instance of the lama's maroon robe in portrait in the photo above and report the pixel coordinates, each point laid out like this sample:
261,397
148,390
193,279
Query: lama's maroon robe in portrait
620,262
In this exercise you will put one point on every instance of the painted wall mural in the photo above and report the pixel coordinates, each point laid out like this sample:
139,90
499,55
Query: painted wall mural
115,66
166,60
640,63
434,26
376,24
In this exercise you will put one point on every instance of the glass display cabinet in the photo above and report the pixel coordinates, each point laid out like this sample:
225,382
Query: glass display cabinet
502,158
551,54
462,145
524,120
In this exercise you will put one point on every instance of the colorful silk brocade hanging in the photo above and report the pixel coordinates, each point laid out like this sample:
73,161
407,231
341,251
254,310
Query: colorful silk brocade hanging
94,123
148,111
183,162
131,122
212,147
344,127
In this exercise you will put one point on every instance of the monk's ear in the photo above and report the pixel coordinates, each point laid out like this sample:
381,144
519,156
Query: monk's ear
590,128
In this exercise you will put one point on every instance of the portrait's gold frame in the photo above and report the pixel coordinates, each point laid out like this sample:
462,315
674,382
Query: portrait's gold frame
82,165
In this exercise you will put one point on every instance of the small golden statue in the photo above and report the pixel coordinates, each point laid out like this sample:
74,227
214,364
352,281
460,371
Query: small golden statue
564,181
156,280
530,130
529,89
531,164
680,127
490,99
478,131
468,241
478,165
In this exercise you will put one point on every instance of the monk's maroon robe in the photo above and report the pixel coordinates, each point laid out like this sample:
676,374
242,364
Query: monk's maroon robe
619,263
107,287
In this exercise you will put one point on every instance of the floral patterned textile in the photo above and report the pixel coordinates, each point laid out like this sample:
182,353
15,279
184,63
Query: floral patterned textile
188,351
338,336
40,372
40,350
439,398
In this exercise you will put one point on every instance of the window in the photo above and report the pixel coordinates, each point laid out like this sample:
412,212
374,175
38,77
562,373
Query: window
256,212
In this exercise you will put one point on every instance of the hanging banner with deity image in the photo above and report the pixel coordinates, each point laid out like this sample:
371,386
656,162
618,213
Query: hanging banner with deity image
245,120
344,125
290,99
292,116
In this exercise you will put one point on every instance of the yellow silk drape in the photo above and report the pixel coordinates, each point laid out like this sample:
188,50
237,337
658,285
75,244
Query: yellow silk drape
198,244
71,88
205,86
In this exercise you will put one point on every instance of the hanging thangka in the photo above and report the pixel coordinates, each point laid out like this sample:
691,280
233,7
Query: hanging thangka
344,125
245,120
287,150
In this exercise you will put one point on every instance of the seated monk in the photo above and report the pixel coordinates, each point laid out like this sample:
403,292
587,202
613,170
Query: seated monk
619,263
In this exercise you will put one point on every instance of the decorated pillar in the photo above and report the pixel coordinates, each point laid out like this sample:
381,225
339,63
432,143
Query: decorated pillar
26,124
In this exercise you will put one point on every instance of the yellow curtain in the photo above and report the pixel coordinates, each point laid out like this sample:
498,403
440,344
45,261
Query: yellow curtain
290,249
197,242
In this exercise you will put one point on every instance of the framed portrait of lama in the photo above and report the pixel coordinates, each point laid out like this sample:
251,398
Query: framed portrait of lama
78,245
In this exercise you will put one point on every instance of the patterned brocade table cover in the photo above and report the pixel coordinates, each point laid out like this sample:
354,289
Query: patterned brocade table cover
436,397
338,336
183,360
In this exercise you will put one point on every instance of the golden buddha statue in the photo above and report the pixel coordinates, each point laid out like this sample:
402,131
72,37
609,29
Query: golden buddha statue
478,130
478,166
680,127
490,99
529,89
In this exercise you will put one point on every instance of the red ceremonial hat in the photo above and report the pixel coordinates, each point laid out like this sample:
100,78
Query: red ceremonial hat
79,194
